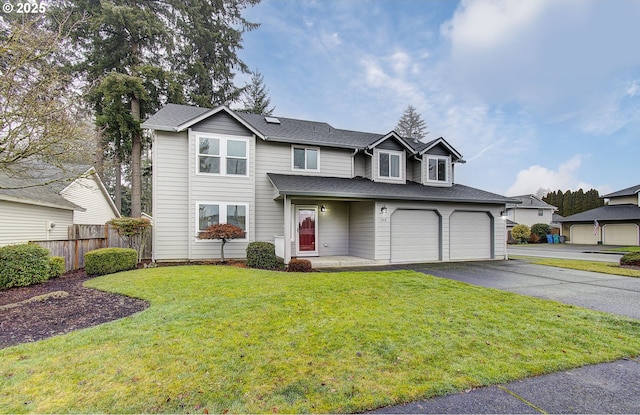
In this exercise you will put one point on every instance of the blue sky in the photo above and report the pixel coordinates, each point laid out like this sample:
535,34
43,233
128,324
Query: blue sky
534,94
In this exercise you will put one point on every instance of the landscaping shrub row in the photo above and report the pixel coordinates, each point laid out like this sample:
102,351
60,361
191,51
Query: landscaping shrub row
631,259
22,265
110,260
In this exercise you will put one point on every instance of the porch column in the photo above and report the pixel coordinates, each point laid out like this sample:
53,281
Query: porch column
287,229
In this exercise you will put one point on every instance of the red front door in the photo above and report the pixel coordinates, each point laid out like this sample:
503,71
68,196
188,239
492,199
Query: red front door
307,231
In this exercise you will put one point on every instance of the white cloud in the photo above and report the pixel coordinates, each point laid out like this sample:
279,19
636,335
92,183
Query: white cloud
535,177
633,89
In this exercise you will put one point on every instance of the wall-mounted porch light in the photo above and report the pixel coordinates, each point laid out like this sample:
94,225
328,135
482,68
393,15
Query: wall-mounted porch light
383,209
323,208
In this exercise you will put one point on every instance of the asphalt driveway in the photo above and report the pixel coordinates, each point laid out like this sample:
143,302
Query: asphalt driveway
610,293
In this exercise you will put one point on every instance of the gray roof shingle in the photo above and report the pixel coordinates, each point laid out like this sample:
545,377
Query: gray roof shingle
629,191
531,202
288,184
605,213
289,130
31,190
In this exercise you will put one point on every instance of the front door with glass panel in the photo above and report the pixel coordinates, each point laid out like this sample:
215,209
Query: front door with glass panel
307,231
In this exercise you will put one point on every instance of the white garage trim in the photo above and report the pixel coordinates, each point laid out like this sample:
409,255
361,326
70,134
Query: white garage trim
416,236
471,235
583,234
620,234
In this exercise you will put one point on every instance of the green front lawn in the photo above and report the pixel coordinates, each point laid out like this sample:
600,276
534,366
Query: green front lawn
221,339
612,268
625,249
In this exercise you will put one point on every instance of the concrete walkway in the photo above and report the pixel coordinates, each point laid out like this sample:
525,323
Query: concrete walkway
605,388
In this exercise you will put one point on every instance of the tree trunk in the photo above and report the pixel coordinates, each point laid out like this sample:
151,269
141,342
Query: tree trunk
136,142
224,241
118,185
136,156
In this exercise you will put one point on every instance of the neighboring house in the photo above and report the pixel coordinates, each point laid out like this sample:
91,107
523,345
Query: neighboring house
313,190
32,212
617,223
530,210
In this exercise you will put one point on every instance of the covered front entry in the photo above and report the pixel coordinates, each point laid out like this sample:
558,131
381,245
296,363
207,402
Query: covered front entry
470,235
415,236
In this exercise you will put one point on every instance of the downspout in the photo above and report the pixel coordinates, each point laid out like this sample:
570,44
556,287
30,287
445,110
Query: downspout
353,163
189,193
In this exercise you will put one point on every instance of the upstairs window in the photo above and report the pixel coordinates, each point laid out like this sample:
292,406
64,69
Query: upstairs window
389,164
304,158
540,212
223,155
437,169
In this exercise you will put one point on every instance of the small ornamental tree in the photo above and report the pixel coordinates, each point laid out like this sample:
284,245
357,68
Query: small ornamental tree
134,230
224,232
521,233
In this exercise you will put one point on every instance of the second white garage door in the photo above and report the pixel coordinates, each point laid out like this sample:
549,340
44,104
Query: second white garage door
620,234
415,236
470,235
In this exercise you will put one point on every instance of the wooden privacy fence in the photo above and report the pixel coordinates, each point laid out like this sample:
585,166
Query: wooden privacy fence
85,238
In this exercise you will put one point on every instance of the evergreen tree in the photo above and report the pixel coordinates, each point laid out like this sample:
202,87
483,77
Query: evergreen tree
152,52
571,203
255,96
411,125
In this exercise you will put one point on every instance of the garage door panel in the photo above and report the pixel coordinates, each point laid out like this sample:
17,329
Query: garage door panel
470,235
620,234
583,234
415,236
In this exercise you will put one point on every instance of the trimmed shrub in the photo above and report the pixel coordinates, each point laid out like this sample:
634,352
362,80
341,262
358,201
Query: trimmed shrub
263,255
521,233
56,266
299,265
631,258
542,230
22,265
109,260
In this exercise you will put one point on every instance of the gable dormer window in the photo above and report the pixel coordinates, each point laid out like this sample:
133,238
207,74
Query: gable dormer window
389,163
438,169
305,158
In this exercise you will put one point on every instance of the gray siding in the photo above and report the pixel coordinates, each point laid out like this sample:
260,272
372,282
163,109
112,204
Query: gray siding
276,158
390,144
171,196
362,229
21,223
439,150
222,189
360,165
221,123
622,200
333,229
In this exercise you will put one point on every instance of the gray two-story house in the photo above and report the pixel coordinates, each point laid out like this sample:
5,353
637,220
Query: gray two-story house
313,190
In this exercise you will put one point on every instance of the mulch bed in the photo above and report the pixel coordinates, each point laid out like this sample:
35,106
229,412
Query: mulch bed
58,306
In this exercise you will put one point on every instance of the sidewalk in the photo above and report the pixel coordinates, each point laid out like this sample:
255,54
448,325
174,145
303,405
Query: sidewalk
608,388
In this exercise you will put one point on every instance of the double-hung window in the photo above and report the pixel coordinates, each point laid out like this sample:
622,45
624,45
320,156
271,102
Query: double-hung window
305,158
437,169
213,213
223,155
389,165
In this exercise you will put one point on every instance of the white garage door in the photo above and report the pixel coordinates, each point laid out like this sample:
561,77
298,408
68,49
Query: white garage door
620,234
583,234
414,236
470,235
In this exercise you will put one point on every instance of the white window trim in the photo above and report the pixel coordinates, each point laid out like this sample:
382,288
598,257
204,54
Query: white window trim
401,166
447,164
223,153
222,212
293,168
